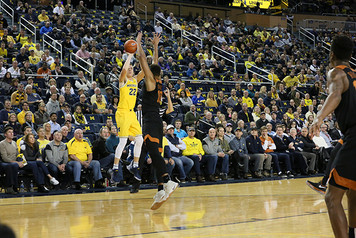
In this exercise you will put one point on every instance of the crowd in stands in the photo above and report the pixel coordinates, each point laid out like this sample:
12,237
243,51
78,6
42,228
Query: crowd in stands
240,128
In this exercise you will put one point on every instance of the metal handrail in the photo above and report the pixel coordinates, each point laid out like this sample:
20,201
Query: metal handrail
12,14
259,75
33,31
290,24
144,10
72,61
307,34
305,3
225,52
215,81
165,24
52,44
52,75
187,34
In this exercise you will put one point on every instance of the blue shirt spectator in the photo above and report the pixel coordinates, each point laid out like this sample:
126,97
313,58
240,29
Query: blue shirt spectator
46,29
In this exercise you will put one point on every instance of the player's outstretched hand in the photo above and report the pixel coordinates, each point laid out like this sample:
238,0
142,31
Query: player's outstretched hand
315,127
167,93
156,38
139,38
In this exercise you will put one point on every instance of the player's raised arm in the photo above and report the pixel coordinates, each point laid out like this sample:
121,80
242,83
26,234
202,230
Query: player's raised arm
140,76
169,101
124,68
337,84
155,41
144,65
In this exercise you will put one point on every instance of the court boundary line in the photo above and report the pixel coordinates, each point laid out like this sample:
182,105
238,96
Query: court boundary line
252,220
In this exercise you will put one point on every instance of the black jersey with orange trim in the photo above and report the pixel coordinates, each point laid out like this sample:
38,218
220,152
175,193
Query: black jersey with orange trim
345,112
152,100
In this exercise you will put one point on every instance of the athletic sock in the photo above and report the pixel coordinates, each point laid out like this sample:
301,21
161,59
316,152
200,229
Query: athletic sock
160,187
135,164
116,166
352,232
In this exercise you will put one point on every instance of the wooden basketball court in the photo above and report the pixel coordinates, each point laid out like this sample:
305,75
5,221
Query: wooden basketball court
281,208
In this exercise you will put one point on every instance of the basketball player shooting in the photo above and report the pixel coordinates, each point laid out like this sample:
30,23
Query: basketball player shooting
342,100
128,125
152,122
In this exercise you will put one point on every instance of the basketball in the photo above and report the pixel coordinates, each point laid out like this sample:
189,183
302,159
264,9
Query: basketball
130,46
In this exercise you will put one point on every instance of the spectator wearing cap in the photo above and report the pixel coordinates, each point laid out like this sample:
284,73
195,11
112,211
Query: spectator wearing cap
109,93
256,152
240,155
229,136
55,63
194,150
177,146
61,114
262,121
178,131
53,122
246,99
244,114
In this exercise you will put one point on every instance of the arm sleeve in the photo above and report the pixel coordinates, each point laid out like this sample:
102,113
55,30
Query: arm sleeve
167,152
65,156
273,145
200,146
49,155
182,145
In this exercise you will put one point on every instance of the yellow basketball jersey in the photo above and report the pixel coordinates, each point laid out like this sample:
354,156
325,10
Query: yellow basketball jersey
128,94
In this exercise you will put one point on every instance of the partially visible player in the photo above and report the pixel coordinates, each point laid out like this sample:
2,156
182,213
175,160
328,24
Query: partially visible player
342,99
152,122
127,123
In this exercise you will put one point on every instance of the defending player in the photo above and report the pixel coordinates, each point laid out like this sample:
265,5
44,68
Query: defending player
342,99
152,122
128,125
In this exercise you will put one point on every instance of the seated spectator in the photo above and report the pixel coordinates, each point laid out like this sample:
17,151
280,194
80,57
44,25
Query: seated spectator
256,113
80,155
44,70
198,99
325,135
14,69
227,151
177,146
12,122
82,82
257,153
5,112
192,117
21,57
32,98
79,118
240,155
64,114
206,123
285,145
47,128
97,92
213,150
28,123
21,115
262,121
113,140
43,17
185,102
53,105
180,133
244,114
86,108
246,99
42,141
224,106
46,28
18,96
291,79
210,100
70,97
183,88
100,107
41,115
9,166
31,152
194,151
308,148
53,122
